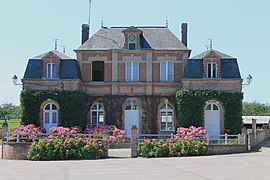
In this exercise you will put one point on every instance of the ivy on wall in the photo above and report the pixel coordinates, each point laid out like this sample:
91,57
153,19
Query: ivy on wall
72,106
190,108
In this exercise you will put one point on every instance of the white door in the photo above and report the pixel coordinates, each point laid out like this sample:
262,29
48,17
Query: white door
50,117
212,121
131,118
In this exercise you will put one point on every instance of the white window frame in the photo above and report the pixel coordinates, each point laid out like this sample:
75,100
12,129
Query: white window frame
98,111
166,71
212,70
167,111
132,72
49,112
50,75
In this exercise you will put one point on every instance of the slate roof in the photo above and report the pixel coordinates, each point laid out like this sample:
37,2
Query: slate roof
69,68
158,38
55,52
229,66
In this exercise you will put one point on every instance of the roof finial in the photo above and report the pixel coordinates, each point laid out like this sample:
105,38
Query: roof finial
102,22
55,43
167,22
210,46
64,49
211,43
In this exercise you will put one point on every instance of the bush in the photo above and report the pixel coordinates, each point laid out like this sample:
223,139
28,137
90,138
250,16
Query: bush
115,135
66,149
28,131
183,144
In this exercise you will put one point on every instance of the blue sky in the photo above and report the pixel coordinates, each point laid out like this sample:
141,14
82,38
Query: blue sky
238,28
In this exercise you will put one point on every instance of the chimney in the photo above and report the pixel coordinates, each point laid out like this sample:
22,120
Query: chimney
184,33
85,33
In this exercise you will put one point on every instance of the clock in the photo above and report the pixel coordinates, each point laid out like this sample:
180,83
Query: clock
132,37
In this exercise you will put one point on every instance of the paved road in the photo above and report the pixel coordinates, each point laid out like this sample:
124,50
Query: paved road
254,165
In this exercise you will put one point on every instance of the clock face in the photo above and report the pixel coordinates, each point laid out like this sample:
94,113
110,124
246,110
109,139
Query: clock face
132,37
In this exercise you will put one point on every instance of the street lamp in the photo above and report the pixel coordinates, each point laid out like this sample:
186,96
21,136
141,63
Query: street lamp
15,81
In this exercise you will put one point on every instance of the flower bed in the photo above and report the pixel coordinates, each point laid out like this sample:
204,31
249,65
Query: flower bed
69,143
66,149
184,143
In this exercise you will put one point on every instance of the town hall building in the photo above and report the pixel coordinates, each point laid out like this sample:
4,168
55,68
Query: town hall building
131,75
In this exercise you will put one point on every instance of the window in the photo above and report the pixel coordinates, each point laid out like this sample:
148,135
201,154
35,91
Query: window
166,118
132,71
132,106
131,46
211,107
98,71
212,70
166,71
97,115
51,71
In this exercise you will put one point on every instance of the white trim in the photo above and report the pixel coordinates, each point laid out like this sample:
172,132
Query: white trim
132,71
166,112
50,76
166,71
212,68
98,111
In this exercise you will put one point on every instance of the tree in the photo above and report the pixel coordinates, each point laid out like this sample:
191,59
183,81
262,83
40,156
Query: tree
8,111
255,109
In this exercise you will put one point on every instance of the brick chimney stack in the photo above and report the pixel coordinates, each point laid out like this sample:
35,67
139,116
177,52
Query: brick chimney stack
184,33
85,33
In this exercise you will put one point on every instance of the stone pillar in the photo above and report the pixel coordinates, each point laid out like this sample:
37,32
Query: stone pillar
254,130
133,142
4,129
105,139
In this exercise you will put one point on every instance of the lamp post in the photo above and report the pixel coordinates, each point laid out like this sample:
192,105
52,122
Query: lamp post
15,81
249,79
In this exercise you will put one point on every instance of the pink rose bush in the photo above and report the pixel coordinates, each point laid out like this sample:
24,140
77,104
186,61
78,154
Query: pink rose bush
187,142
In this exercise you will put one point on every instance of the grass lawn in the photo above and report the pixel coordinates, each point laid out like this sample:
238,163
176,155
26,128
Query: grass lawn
12,124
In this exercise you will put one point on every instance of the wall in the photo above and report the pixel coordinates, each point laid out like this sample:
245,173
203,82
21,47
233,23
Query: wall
226,149
213,84
261,135
13,150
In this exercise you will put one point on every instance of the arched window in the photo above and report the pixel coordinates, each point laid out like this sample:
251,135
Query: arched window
50,116
97,115
132,106
166,118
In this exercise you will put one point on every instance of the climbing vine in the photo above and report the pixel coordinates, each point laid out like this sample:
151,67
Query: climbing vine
72,106
190,108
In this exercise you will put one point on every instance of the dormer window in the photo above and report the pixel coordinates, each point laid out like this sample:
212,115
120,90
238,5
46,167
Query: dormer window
212,70
51,71
131,46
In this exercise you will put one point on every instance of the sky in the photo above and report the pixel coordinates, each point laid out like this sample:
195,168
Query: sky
238,28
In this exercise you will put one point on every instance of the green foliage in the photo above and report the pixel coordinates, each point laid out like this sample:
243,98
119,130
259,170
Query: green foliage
256,109
172,148
9,111
72,106
66,149
12,124
190,108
